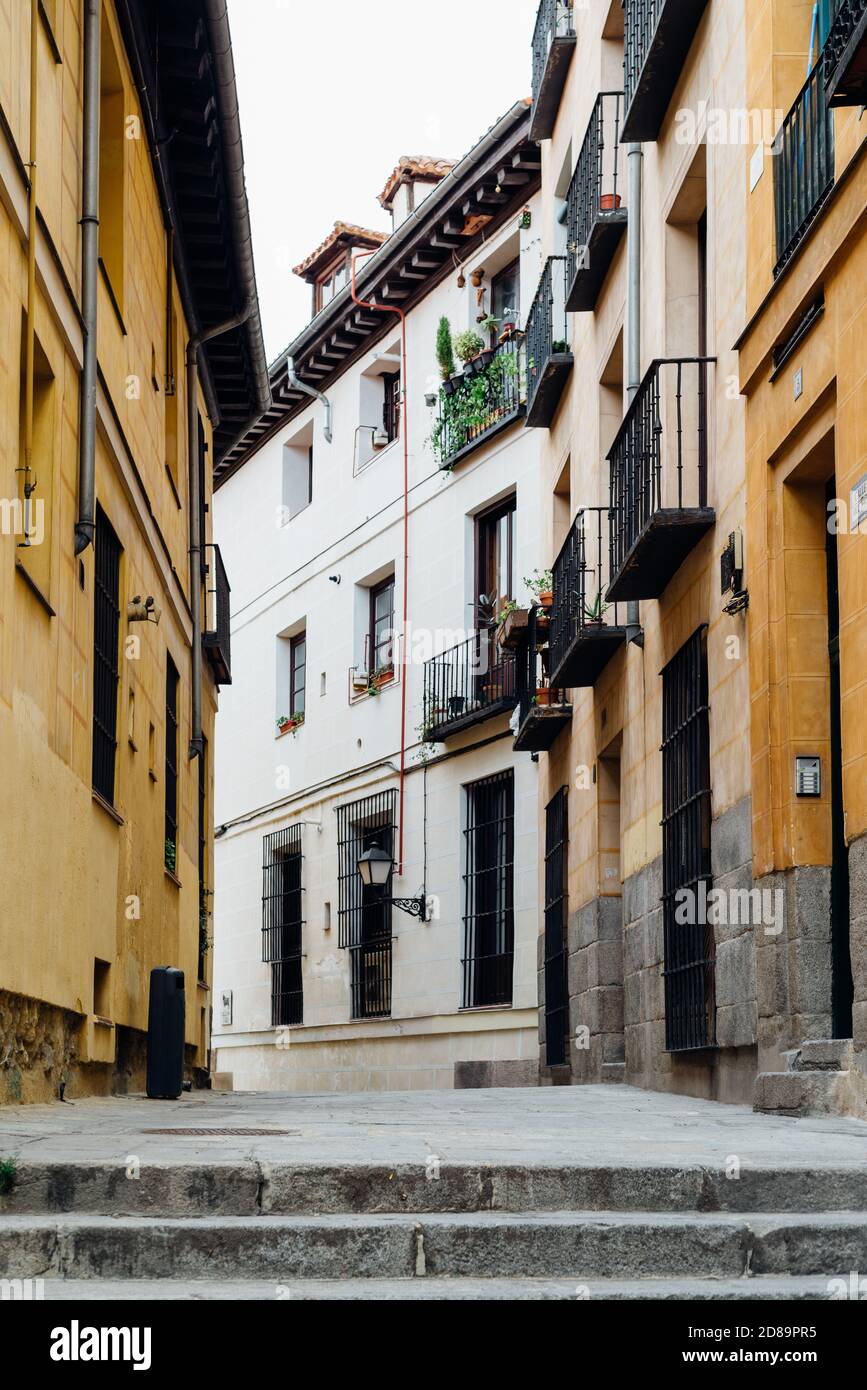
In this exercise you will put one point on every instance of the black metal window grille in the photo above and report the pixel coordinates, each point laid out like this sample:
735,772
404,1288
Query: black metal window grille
686,864
642,17
171,789
803,165
580,582
547,326
660,456
845,22
596,183
554,20
283,923
217,638
106,631
489,920
556,923
364,914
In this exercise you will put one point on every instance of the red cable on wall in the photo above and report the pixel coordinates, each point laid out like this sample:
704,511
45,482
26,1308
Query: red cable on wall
391,308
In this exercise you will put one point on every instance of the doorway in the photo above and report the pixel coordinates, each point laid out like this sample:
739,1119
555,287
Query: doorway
841,960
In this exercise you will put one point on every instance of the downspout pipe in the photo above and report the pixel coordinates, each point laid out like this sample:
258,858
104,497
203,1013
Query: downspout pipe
29,483
298,385
635,160
197,540
86,522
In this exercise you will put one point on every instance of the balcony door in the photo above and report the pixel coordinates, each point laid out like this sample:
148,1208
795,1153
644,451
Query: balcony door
495,586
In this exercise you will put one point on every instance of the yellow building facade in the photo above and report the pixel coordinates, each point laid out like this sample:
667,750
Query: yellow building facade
105,643
695,387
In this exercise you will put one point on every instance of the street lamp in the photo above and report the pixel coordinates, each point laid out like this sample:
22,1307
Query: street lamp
375,867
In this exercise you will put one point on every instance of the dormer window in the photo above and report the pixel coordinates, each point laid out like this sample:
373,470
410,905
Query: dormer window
330,285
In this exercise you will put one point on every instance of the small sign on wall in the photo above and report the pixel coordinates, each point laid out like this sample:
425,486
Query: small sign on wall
799,383
226,1008
858,504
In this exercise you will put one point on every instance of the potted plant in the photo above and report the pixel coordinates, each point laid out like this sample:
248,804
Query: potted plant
541,583
284,724
468,345
559,345
490,325
457,705
594,613
609,202
543,695
383,675
445,350
476,277
171,855
513,623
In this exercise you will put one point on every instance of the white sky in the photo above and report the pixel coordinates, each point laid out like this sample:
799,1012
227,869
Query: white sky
332,93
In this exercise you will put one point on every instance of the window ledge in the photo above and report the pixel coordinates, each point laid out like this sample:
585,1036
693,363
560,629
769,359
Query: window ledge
170,873
107,807
35,589
49,32
174,488
111,294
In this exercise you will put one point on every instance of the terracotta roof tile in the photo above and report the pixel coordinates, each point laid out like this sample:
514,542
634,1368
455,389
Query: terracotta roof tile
411,166
345,233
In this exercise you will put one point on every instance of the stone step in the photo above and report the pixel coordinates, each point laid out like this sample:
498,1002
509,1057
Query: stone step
763,1288
255,1188
799,1093
822,1054
614,1072
555,1245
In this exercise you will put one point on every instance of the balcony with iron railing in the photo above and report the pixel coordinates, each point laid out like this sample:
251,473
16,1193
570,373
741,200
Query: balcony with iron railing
659,479
466,685
658,35
553,46
549,360
845,55
803,165
543,712
596,217
485,398
586,630
216,639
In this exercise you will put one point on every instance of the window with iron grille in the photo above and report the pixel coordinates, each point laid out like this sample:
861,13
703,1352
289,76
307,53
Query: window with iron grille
171,792
686,805
556,940
106,629
283,923
364,914
489,924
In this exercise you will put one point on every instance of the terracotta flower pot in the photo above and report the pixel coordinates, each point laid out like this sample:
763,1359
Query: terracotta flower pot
546,598
543,696
609,202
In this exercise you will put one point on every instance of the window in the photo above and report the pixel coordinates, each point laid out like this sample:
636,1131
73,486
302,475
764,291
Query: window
112,145
489,927
106,631
171,793
329,287
686,815
556,940
391,405
172,408
282,924
297,674
382,627
33,516
298,474
495,561
506,294
364,918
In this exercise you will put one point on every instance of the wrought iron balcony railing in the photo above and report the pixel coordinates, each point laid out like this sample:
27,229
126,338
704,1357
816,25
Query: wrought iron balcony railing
596,216
549,360
216,638
553,46
803,165
486,397
846,55
659,479
657,37
543,713
586,630
469,683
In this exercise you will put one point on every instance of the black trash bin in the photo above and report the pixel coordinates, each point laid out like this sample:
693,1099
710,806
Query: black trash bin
166,1034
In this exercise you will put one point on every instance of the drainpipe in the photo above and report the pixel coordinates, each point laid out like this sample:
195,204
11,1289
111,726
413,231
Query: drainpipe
196,538
29,484
635,158
404,381
84,526
298,385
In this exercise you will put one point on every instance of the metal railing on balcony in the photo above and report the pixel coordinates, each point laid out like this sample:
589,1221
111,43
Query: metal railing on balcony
659,476
469,683
594,202
486,397
585,628
549,359
553,44
845,54
542,710
216,637
803,165
657,38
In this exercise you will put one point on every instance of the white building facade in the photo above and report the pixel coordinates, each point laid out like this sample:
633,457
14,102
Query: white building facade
346,730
